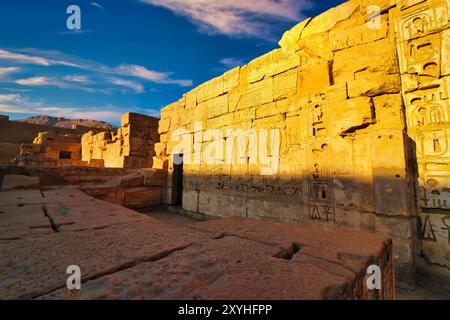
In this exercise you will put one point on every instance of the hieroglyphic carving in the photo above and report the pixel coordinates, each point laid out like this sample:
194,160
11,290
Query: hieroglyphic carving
426,96
435,236
244,185
321,197
421,17
446,222
421,52
427,231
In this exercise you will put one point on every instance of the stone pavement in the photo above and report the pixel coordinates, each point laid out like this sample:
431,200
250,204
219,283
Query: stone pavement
127,255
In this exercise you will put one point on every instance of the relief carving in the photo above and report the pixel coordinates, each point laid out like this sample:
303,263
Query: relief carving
321,200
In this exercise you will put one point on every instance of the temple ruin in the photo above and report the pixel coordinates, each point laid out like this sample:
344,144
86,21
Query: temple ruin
361,100
344,127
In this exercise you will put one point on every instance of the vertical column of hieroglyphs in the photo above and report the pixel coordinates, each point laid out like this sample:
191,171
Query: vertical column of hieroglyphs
321,206
423,47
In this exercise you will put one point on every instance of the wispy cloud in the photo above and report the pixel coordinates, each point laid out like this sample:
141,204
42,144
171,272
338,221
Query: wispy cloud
9,97
135,86
232,62
77,79
18,57
236,18
34,81
153,76
53,58
68,83
96,4
8,70
15,103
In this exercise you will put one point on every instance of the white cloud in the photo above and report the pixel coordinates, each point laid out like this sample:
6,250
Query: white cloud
24,58
236,17
77,79
153,76
35,81
135,86
8,70
18,104
96,4
52,58
9,97
232,62
54,82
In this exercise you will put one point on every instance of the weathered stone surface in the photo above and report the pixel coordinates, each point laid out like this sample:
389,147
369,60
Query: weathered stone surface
125,255
131,146
153,177
11,182
131,180
50,149
26,220
341,92
142,197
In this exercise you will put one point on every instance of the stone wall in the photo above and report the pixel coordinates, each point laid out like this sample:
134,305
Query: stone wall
69,176
52,150
14,133
132,146
340,93
423,46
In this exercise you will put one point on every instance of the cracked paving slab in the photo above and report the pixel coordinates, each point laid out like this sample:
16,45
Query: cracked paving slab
26,221
33,267
349,248
226,268
126,255
97,236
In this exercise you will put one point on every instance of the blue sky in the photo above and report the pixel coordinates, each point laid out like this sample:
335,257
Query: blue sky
130,55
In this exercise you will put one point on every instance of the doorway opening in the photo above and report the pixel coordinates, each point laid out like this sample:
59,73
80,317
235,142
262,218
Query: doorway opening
177,180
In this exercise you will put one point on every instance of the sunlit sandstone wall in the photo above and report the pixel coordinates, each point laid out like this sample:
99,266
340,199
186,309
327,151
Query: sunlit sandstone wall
336,92
51,149
132,146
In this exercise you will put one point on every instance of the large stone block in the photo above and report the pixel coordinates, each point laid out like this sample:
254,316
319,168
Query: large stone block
285,84
142,197
270,64
257,94
154,177
314,78
231,79
374,86
435,238
131,180
190,201
287,211
218,205
352,115
290,39
372,58
211,89
389,111
217,106
361,28
328,20
164,125
11,182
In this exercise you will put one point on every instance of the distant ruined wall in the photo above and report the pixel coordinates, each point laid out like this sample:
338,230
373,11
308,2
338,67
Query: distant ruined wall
132,146
360,103
14,133
52,150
